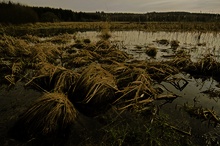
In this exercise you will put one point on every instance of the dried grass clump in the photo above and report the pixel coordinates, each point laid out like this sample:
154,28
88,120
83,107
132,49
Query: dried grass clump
31,38
174,44
183,63
103,44
117,55
17,72
94,91
105,33
87,41
48,118
163,42
125,73
159,71
61,39
129,75
86,54
78,62
44,76
208,65
45,52
64,80
151,51
115,68
81,58
49,77
10,46
137,94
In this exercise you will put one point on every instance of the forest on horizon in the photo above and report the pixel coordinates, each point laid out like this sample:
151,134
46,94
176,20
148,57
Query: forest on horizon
15,13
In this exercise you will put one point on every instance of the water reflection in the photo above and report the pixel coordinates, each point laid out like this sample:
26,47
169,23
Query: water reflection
196,43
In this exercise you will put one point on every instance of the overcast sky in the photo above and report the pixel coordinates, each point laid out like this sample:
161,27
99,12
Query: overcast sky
133,6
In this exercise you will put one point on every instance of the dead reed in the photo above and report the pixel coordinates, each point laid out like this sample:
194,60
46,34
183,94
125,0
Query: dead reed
49,118
151,51
94,90
137,94
64,80
159,71
44,75
208,65
49,77
11,46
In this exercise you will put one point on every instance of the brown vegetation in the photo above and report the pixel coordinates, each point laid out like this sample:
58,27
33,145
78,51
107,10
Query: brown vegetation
95,76
48,119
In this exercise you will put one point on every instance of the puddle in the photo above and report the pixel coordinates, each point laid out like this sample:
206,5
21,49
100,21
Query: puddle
193,95
194,92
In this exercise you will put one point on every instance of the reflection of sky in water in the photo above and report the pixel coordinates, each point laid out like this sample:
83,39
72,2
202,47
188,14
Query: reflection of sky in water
188,40
209,43
193,91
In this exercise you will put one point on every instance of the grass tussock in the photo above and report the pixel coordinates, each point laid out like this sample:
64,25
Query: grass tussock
137,94
174,44
64,80
159,71
10,46
94,90
117,55
105,33
151,51
44,76
49,118
129,75
45,52
182,62
208,65
31,38
49,77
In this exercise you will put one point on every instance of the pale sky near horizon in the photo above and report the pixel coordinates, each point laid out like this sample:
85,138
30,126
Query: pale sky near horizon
130,6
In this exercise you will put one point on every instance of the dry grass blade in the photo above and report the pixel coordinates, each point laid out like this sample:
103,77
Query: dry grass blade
117,55
65,80
137,94
160,70
45,52
50,117
11,46
208,64
95,89
44,75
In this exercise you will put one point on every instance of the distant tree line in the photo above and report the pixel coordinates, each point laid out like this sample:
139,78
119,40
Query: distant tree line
16,13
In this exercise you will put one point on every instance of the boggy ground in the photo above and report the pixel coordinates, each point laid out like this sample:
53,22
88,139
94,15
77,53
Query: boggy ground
116,98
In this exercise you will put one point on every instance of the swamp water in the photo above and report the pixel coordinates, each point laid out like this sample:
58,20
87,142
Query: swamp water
198,92
135,42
